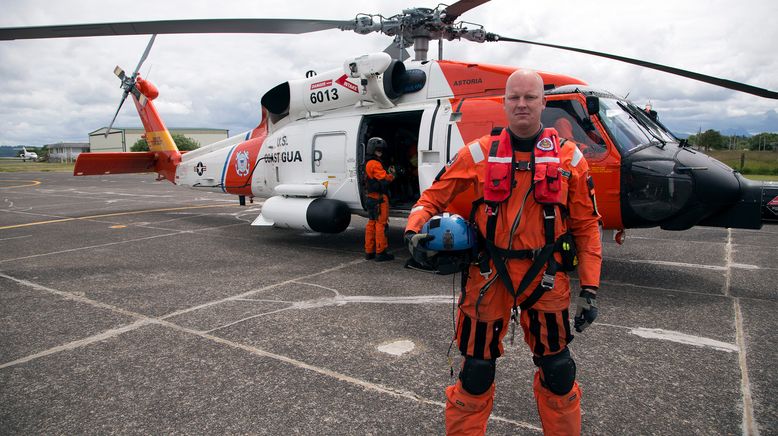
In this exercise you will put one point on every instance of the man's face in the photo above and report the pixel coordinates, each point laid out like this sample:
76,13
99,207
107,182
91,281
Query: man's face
524,102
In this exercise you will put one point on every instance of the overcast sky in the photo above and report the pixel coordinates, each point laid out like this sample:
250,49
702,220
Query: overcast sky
60,90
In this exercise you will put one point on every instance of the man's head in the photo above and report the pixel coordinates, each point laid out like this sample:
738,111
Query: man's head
524,102
376,146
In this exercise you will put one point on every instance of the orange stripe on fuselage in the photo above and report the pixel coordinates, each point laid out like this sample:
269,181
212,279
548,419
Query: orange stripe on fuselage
467,79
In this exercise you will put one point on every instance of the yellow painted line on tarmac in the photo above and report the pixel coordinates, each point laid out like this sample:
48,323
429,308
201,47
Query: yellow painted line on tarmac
31,183
62,220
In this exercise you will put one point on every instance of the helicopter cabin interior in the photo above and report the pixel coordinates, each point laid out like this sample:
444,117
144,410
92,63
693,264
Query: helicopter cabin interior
572,122
401,132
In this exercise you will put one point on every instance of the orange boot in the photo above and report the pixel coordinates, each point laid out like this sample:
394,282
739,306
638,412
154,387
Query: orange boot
559,414
467,414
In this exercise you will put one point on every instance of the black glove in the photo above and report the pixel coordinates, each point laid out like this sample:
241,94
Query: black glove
415,243
586,312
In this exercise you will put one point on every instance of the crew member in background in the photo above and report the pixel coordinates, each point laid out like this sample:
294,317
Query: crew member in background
377,201
536,188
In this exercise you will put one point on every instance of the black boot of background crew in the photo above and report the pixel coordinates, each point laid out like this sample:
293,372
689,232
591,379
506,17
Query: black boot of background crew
383,257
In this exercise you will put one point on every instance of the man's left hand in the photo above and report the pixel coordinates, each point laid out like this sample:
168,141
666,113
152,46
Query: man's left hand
586,312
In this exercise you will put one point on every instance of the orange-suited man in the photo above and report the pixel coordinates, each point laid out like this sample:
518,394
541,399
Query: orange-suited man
377,202
538,198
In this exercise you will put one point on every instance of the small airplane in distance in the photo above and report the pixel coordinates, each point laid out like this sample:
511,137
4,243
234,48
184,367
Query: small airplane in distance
25,155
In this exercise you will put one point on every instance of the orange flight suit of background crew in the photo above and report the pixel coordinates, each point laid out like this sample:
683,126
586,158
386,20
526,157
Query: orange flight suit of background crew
546,324
376,241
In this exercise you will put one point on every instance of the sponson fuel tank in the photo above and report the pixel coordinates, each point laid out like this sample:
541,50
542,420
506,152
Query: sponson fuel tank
322,215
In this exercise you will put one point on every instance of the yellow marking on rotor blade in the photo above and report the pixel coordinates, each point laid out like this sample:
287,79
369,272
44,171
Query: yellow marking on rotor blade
62,220
34,183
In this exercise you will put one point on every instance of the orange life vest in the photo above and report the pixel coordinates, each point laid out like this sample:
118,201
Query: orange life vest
545,166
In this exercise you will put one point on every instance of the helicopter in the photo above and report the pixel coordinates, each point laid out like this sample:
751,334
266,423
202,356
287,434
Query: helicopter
306,156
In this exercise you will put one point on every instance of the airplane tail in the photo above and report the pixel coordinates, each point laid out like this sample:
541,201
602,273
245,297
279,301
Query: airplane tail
163,156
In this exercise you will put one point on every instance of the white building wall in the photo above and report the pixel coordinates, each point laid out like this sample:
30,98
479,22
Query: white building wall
122,139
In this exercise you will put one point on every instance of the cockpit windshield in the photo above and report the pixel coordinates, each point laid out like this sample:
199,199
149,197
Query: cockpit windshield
629,126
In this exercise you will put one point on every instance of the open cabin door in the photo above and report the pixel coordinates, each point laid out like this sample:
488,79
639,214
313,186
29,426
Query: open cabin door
401,131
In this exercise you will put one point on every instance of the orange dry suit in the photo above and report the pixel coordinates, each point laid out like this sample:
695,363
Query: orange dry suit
377,204
515,223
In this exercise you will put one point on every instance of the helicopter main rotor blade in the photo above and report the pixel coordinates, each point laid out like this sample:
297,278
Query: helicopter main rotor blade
454,11
724,83
214,25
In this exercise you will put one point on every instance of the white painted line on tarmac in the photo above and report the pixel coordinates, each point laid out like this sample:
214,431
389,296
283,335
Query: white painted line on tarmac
400,393
687,265
16,237
682,338
681,264
749,424
81,342
674,336
51,253
746,266
338,300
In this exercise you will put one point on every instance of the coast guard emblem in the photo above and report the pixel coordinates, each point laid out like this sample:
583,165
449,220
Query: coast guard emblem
242,163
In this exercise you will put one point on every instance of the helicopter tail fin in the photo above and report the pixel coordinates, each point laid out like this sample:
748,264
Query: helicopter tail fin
163,156
158,138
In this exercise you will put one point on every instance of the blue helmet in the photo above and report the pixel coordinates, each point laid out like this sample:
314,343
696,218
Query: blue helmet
451,232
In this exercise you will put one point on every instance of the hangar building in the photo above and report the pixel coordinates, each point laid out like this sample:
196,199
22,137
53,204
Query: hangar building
66,151
122,138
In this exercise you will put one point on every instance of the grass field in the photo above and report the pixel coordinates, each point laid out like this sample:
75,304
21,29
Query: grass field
16,165
754,162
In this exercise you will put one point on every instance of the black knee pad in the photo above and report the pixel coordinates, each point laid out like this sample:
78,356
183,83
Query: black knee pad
477,375
558,372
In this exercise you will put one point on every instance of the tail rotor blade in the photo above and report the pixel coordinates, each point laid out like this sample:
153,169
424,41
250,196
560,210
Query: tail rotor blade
145,54
121,102
119,72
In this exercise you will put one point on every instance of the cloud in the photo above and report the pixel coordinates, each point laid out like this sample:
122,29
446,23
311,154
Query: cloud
62,89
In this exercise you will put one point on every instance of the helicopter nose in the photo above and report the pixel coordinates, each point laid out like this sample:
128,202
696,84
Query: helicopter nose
677,188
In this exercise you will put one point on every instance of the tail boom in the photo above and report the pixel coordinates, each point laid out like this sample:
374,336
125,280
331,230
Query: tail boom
163,156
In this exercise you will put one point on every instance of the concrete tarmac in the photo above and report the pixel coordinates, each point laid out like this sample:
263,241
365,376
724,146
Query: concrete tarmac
135,307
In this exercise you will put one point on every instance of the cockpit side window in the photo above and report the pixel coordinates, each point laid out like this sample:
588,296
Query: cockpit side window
569,118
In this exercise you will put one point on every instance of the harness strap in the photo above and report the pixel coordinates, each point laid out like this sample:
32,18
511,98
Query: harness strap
542,257
549,276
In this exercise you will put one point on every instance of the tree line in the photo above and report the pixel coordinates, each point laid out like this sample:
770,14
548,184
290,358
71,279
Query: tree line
714,140
184,143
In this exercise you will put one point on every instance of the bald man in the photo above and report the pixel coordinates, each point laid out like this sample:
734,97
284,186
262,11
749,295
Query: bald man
537,201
